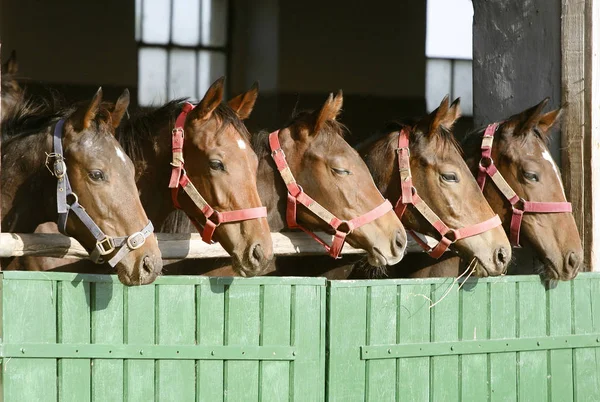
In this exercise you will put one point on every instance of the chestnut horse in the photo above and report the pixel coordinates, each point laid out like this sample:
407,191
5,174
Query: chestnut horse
445,197
327,169
219,164
94,180
521,156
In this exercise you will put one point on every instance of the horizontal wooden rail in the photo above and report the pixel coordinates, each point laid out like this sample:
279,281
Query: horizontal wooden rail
172,246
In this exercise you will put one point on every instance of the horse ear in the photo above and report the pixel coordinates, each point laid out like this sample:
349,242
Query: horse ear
330,110
120,108
12,65
445,115
244,103
529,118
212,99
547,120
89,113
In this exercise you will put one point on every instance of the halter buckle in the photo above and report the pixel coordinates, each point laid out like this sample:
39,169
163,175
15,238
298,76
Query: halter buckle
105,246
400,149
177,130
136,240
59,168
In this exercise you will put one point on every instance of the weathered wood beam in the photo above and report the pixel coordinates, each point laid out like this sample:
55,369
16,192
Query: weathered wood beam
172,246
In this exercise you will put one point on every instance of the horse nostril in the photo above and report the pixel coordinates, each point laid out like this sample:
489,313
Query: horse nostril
501,258
400,239
257,253
148,265
573,261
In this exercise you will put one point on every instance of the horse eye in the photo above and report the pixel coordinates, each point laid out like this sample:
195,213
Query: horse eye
96,175
341,172
216,164
532,176
449,177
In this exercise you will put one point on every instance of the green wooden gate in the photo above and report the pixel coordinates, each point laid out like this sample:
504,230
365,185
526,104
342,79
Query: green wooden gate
505,339
71,337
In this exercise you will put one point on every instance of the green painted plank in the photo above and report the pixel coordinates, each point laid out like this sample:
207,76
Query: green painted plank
533,366
503,367
475,319
275,330
175,325
381,329
29,315
107,328
595,296
414,326
210,315
74,375
242,328
346,320
586,366
308,336
445,327
560,363
139,330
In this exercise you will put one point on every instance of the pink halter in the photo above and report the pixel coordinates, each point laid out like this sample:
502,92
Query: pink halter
519,205
409,196
297,196
180,178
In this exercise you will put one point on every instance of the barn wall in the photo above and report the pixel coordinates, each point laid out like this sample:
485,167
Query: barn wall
516,59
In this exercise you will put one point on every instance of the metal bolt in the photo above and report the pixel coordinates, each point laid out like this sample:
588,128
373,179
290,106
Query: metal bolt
294,353
141,352
212,353
451,347
22,350
389,351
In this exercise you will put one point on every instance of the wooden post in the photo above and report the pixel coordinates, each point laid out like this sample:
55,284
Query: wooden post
580,144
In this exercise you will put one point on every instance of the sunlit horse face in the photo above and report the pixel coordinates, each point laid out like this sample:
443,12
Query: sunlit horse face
222,165
12,93
103,179
331,171
522,157
443,180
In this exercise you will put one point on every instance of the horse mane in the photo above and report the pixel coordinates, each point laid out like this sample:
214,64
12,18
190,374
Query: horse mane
29,115
141,126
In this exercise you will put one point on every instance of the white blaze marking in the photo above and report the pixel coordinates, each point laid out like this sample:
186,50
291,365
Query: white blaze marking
241,144
546,155
120,154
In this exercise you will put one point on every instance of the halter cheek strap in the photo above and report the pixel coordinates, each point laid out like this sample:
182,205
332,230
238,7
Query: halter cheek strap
296,195
179,178
487,168
409,196
105,245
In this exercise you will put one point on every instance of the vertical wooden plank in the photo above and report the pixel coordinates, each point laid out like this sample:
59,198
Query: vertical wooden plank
503,325
533,366
445,379
242,328
592,100
175,325
275,330
381,330
414,327
346,320
561,361
586,367
29,314
308,338
474,368
74,375
210,314
139,330
107,328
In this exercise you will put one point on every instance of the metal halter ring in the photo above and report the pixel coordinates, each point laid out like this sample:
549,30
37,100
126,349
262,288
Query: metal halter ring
105,246
136,240
490,162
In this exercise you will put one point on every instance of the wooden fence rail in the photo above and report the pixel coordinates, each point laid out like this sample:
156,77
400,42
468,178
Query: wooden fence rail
172,246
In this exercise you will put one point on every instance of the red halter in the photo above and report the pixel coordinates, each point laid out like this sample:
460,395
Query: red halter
519,205
296,195
410,197
180,178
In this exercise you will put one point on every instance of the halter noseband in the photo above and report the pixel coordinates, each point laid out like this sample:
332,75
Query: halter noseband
410,196
105,245
296,195
519,205
180,178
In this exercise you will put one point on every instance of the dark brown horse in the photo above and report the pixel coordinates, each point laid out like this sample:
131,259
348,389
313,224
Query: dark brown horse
521,155
12,93
219,162
441,183
35,141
